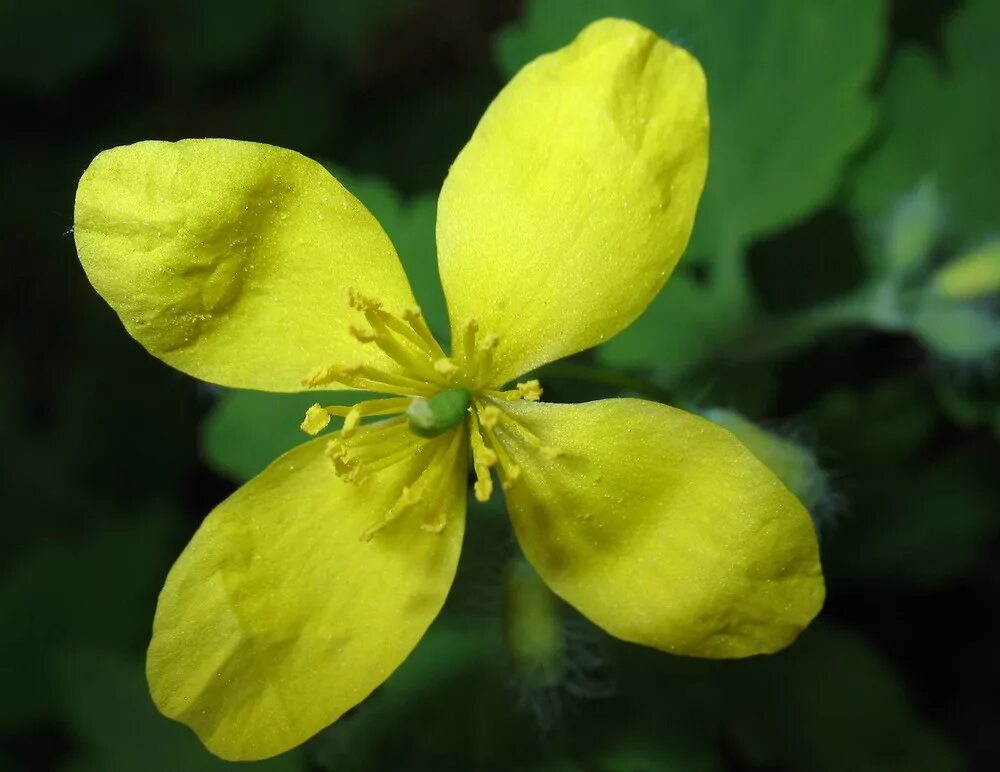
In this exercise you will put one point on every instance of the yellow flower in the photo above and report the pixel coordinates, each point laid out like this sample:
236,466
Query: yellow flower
250,266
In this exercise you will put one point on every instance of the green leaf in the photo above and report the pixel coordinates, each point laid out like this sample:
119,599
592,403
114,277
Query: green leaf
437,697
344,28
199,39
918,526
942,121
787,92
662,748
829,703
896,418
913,229
46,45
962,332
109,710
683,326
96,590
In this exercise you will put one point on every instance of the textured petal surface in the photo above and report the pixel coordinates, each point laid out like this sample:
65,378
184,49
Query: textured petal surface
663,529
277,617
231,260
576,195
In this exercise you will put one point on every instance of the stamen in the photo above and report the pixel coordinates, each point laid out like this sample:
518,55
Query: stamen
382,337
509,471
355,455
520,429
316,420
435,518
415,318
407,341
438,460
351,422
482,459
490,416
362,335
367,378
486,347
495,422
530,390
445,368
469,342
362,302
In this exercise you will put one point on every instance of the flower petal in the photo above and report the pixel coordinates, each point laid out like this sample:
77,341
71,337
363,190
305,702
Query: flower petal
663,529
231,260
574,199
277,617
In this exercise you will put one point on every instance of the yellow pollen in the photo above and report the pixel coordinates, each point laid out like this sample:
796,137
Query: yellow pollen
513,472
490,416
315,421
362,335
362,302
445,367
483,488
530,390
321,376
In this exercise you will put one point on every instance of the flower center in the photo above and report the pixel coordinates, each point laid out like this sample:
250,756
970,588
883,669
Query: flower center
436,393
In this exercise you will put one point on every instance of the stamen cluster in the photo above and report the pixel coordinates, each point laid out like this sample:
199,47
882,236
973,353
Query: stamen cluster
422,370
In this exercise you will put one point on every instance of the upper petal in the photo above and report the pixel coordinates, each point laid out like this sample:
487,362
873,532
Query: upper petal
277,617
232,261
569,207
663,529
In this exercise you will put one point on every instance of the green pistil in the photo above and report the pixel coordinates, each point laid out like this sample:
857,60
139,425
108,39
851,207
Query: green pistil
433,417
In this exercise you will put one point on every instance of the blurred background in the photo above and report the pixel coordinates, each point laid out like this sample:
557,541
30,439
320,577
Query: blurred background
837,309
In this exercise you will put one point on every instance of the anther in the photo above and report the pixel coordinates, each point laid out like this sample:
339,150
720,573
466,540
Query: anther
483,489
490,416
550,453
321,376
362,335
316,420
530,390
362,302
512,474
445,367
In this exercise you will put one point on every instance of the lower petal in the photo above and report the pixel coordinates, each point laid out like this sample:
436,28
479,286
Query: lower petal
662,528
278,617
